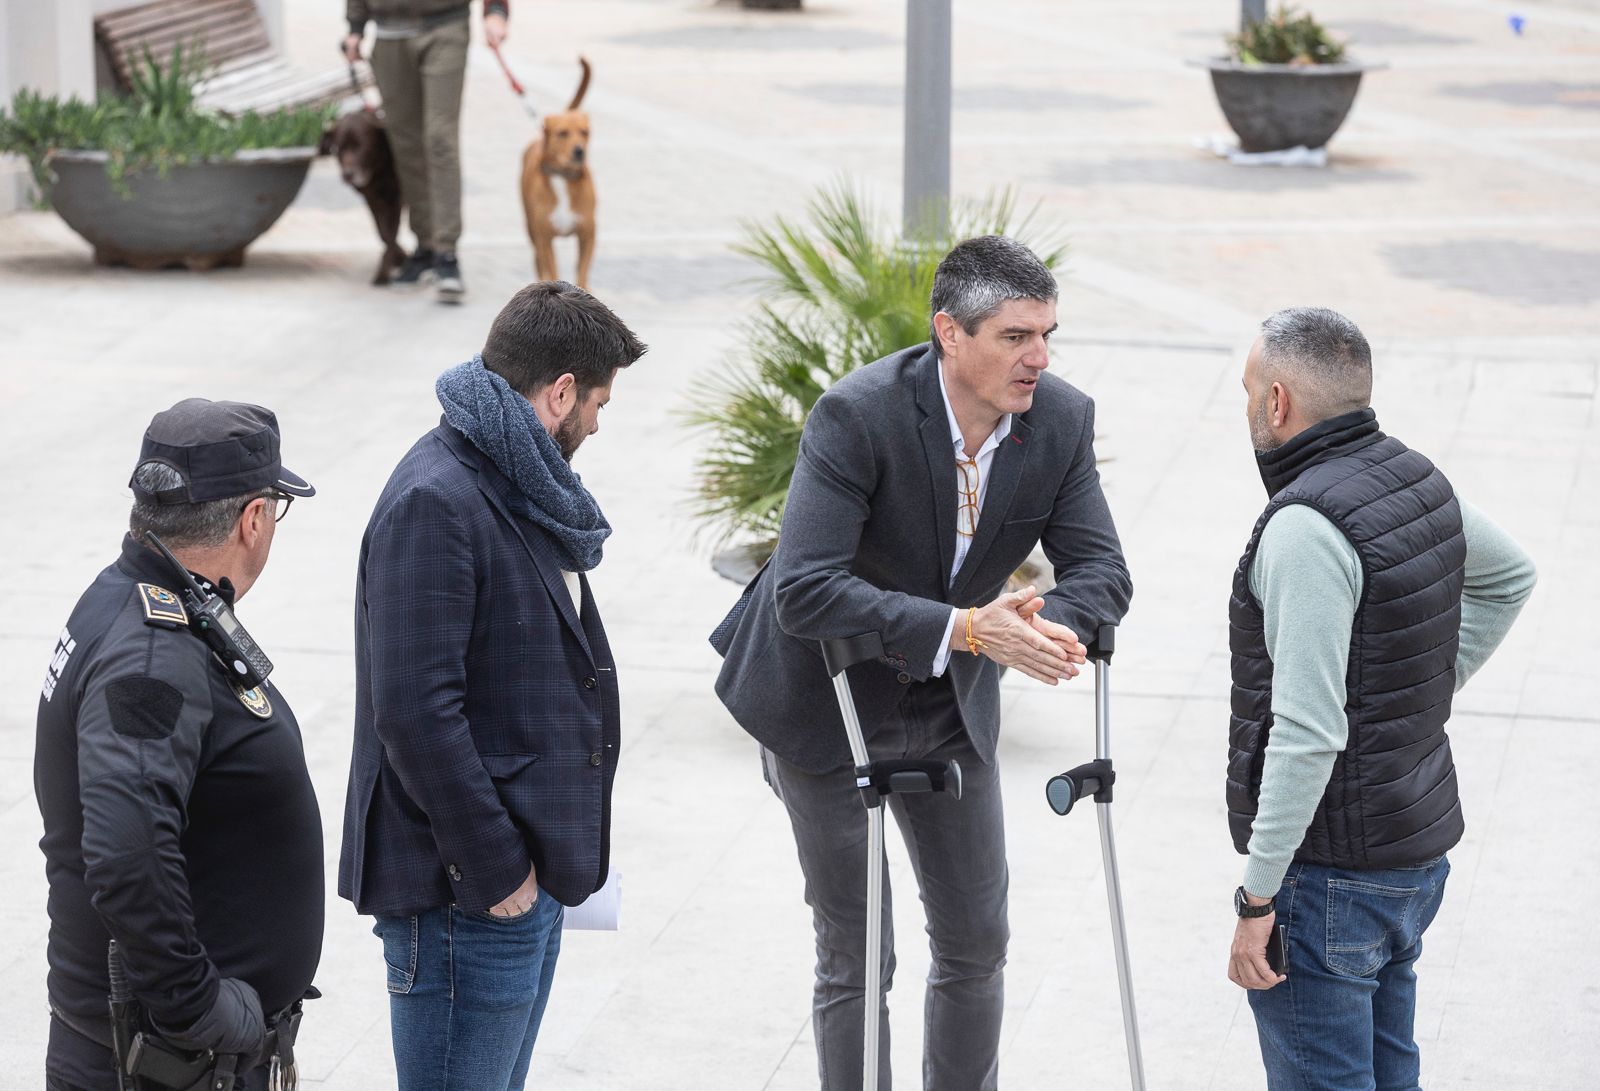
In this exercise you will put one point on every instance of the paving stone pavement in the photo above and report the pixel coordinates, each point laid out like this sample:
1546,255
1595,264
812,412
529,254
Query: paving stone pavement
1457,221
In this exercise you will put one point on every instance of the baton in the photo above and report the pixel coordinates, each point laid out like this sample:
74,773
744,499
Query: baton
124,1015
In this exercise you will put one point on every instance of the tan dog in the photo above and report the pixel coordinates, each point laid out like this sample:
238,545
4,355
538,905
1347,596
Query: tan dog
557,189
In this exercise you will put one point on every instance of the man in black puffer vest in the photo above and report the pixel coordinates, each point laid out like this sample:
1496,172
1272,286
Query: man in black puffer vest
1366,597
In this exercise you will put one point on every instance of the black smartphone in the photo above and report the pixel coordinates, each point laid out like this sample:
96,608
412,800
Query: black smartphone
1277,961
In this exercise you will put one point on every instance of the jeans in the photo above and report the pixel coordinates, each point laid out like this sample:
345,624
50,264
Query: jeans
1343,1019
466,994
958,855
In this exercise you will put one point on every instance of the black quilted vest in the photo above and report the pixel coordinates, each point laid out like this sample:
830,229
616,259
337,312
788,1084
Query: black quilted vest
1391,800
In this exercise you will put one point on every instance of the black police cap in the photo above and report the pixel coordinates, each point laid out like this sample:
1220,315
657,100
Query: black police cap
220,449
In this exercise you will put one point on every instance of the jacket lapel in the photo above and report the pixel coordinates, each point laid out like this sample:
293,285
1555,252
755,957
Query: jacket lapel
940,453
1004,473
493,484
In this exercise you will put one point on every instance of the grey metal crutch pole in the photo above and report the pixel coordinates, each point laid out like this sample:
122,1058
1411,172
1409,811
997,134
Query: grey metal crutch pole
1096,778
875,780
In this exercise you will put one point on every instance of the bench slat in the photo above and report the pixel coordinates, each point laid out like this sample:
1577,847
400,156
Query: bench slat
245,72
174,26
221,41
280,88
164,13
229,26
302,92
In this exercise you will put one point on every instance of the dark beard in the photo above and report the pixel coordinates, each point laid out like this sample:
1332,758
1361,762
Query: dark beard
569,434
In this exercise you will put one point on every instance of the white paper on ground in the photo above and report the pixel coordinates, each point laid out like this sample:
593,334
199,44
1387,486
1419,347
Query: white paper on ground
1227,148
600,911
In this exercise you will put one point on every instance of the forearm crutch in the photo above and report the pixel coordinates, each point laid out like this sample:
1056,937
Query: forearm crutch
1096,778
876,780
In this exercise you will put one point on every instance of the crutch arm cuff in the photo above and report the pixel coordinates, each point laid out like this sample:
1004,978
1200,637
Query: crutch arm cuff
881,778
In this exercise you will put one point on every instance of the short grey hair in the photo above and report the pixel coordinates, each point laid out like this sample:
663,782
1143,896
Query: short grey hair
981,275
183,526
1326,356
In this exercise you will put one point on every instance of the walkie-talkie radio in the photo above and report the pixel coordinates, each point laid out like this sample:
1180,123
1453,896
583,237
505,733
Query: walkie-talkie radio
212,618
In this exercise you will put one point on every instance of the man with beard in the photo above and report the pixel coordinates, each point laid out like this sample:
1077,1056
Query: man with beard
1367,596
487,719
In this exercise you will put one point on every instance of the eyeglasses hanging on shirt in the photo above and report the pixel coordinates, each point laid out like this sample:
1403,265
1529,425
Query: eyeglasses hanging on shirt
967,510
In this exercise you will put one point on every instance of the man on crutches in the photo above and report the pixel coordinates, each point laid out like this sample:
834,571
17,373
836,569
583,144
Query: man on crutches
924,480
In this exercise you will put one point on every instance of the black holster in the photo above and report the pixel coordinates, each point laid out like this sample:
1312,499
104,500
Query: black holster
147,1062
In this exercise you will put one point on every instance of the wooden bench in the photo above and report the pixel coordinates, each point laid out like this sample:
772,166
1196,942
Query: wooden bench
244,72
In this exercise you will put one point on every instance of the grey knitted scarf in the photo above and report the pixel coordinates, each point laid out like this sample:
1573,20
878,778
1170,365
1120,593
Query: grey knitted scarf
502,425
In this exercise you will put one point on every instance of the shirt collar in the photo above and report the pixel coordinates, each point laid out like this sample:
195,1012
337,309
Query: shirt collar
1001,431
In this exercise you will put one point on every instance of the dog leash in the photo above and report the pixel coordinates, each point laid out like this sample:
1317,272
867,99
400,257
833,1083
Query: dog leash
516,85
355,82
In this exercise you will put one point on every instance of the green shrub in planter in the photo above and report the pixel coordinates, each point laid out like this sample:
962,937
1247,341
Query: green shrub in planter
1287,37
156,127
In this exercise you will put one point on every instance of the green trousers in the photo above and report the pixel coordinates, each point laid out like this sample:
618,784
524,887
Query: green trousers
420,79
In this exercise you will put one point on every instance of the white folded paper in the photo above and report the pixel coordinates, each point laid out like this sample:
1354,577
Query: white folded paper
600,911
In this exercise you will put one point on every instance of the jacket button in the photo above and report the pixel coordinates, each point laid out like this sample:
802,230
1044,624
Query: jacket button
903,678
595,759
454,872
589,683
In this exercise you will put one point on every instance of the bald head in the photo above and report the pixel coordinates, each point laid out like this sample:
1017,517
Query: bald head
1321,356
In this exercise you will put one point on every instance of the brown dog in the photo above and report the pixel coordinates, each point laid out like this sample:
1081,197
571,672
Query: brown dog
557,188
367,163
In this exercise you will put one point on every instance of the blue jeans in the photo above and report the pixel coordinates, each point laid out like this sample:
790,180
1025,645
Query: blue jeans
466,993
1343,1019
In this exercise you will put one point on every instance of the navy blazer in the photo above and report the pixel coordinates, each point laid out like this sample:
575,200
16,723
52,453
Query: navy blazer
868,542
487,716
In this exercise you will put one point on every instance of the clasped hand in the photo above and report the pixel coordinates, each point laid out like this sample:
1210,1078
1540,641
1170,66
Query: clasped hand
1013,633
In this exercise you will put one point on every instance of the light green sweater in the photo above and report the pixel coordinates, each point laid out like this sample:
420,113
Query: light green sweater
1307,578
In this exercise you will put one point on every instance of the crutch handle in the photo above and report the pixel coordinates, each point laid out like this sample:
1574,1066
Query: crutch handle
847,651
902,775
1104,642
1093,778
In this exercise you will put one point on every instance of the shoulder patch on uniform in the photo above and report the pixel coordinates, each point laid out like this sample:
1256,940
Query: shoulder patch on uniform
256,701
161,607
143,708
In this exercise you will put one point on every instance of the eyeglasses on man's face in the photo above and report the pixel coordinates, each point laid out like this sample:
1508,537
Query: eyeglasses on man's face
279,501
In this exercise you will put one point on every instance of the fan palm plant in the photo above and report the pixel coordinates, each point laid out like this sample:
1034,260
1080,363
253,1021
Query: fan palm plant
842,289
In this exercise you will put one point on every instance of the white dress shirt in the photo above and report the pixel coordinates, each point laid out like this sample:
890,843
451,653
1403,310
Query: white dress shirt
985,459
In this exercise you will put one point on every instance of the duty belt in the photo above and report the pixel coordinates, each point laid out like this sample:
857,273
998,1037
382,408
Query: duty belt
164,1065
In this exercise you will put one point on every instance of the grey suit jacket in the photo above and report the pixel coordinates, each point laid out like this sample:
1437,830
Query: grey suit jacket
868,542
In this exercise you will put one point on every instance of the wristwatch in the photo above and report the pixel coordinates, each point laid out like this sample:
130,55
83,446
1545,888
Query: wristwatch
1245,909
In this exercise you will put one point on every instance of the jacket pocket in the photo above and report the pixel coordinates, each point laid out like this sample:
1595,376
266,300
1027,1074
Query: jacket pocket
507,766
1023,522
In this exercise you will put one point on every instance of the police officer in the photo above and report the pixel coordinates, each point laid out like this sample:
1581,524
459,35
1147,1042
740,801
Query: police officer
178,811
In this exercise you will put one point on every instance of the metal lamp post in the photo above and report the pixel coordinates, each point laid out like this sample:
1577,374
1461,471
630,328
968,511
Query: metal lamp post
926,192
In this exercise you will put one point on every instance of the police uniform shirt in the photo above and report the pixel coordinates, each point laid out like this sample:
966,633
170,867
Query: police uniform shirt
179,816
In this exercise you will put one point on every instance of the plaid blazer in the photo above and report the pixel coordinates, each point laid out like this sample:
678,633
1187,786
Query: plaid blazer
487,717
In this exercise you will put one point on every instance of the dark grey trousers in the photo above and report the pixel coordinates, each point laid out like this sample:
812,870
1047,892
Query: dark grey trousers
957,851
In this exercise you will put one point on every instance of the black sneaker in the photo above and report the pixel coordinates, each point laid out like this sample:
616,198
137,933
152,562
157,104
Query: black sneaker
418,265
447,279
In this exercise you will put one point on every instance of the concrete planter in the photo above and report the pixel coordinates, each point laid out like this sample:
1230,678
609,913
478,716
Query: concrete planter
1275,106
201,215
